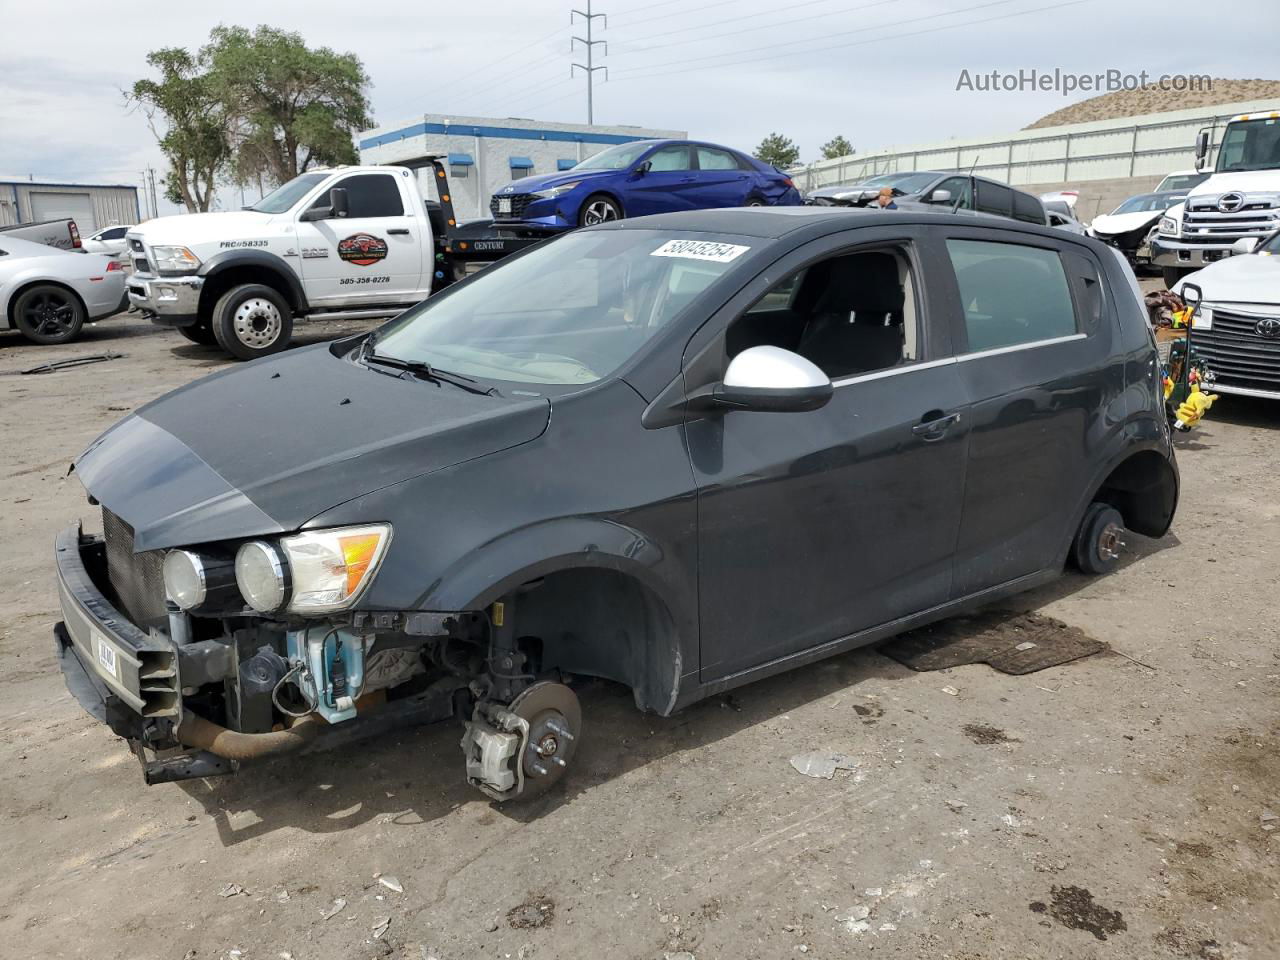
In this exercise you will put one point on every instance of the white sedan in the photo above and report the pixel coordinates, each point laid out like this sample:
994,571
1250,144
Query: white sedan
1236,329
108,240
48,295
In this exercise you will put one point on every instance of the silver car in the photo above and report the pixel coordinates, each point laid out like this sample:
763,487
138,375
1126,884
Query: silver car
48,295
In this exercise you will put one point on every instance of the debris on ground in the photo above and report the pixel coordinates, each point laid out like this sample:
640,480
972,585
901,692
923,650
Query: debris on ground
339,904
380,925
1074,907
534,912
391,883
822,764
1010,641
231,890
985,734
54,366
951,691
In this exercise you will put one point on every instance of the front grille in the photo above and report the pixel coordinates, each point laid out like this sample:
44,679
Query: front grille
140,264
1204,223
1237,354
136,578
519,203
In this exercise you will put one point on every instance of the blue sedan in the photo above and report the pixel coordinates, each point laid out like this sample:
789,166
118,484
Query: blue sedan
640,178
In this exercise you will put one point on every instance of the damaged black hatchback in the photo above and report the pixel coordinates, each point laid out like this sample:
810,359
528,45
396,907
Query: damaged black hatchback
679,453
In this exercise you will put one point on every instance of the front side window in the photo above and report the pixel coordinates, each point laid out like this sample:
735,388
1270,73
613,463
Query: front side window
283,197
712,159
961,188
1012,294
849,314
571,311
669,159
615,158
368,195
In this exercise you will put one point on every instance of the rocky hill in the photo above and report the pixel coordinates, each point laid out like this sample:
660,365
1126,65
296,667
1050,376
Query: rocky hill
1128,103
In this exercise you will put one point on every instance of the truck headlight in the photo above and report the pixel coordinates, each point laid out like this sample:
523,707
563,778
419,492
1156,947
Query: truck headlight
1169,227
318,571
175,259
552,192
194,580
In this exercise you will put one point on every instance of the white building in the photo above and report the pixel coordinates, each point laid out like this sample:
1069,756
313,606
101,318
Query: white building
485,153
90,205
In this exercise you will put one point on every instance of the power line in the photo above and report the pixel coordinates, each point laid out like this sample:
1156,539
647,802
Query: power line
588,68
750,16
721,3
635,73
497,81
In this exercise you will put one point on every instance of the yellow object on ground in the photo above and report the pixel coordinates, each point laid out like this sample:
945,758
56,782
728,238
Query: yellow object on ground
1192,410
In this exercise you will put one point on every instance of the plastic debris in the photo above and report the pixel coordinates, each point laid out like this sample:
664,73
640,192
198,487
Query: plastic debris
1010,820
951,691
822,764
955,805
874,892
338,905
231,890
1025,645
682,955
391,883
282,896
887,927
1267,815
380,925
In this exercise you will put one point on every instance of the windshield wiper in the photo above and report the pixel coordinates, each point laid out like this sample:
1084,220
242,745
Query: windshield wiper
420,368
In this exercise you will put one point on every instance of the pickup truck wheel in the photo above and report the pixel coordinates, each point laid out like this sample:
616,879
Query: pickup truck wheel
251,321
1172,275
48,314
598,209
201,332
1098,542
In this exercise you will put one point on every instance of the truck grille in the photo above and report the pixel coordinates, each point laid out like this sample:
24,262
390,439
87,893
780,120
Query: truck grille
136,578
1204,224
1237,354
519,203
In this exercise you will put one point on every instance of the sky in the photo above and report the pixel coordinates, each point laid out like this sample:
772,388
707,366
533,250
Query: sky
880,72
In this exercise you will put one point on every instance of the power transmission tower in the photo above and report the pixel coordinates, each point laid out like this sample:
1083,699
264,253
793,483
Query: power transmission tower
590,43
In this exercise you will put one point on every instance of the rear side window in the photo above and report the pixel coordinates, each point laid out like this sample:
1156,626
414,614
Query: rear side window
368,195
1012,294
709,159
993,198
1027,208
669,159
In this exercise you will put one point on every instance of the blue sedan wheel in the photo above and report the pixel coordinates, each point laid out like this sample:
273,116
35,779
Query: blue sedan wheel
599,209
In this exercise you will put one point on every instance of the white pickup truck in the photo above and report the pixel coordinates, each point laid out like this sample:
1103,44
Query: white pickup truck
1240,199
351,242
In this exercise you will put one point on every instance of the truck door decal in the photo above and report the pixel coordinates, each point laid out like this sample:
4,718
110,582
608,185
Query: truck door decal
362,249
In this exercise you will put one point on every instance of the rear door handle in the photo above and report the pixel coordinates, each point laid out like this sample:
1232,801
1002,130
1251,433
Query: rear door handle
398,231
935,427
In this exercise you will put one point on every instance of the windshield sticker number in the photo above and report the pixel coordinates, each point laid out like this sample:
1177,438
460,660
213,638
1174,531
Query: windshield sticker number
701,250
362,249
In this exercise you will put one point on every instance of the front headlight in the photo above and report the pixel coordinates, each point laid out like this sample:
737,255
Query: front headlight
552,192
1169,227
175,259
200,582
318,571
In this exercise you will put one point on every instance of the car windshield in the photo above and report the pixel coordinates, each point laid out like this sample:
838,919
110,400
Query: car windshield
571,311
1250,145
1271,245
906,182
1182,181
284,197
615,158
1146,203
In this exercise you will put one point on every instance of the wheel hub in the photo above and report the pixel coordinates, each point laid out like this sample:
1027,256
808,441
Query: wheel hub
1110,542
257,323
555,723
599,212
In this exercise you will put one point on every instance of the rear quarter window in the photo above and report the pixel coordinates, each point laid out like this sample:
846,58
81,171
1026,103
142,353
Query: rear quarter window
1012,294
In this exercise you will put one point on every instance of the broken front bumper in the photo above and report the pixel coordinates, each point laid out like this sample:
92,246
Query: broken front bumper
122,676
171,301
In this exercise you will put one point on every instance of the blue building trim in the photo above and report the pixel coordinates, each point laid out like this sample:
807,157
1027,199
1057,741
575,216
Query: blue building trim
565,163
460,160
520,163
510,133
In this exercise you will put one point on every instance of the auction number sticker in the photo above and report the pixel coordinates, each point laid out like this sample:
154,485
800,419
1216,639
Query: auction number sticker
700,250
106,654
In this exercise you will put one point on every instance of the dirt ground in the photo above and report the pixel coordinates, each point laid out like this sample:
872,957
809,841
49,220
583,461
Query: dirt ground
1105,808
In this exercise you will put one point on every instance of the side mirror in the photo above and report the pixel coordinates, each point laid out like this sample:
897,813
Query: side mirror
940,196
1244,245
642,168
772,379
1202,149
338,202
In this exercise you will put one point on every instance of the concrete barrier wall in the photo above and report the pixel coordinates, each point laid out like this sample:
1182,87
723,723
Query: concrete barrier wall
1097,196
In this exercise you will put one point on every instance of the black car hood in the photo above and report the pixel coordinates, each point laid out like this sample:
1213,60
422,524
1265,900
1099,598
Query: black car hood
264,448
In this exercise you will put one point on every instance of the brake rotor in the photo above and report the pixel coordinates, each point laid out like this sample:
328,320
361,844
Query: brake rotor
555,725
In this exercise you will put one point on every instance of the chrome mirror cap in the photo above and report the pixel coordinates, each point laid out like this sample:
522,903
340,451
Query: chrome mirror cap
773,379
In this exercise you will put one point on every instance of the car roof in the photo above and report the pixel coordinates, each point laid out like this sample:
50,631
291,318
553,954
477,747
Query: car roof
777,222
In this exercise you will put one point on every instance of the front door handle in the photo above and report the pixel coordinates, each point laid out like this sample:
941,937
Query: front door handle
398,231
935,424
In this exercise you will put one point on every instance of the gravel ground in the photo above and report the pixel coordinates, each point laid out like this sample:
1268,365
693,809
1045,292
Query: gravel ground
1105,808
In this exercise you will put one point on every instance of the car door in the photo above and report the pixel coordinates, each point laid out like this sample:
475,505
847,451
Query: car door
665,182
1027,313
815,526
374,254
721,180
960,188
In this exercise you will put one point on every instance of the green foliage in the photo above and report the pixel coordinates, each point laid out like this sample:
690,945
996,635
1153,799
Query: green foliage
837,146
292,107
778,150
189,123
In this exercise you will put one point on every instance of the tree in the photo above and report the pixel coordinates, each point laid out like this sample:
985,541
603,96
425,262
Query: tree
291,106
837,146
778,150
188,122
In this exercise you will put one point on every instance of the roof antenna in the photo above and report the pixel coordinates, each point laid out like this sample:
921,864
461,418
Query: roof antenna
961,196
